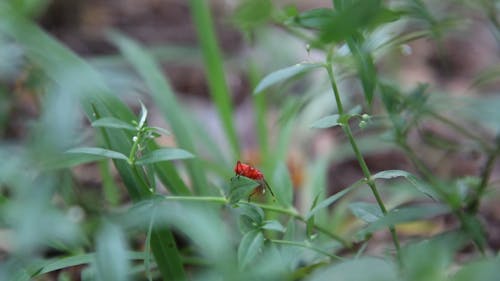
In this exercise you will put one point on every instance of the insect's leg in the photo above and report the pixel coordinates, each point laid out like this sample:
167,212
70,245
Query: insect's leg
268,187
252,194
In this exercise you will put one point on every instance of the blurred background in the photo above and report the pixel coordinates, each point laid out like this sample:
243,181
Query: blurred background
458,64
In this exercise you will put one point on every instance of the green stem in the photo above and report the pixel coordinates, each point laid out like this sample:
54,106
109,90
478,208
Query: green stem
359,156
207,199
303,245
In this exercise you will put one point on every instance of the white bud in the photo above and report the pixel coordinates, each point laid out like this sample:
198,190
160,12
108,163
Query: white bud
134,139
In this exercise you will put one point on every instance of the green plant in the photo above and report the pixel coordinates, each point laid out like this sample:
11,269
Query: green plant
203,226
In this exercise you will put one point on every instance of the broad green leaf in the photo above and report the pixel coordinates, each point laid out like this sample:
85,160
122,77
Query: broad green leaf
240,188
368,212
273,225
284,74
249,247
406,214
164,154
111,122
98,152
327,122
487,269
362,269
250,217
330,200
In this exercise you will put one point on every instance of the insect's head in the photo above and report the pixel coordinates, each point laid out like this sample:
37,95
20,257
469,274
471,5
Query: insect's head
238,169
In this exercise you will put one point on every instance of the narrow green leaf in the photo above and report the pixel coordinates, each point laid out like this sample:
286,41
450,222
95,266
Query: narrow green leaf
143,115
330,200
282,184
250,217
315,18
111,122
310,221
240,188
249,247
164,154
327,122
98,152
366,68
389,174
159,130
214,69
284,74
406,214
368,212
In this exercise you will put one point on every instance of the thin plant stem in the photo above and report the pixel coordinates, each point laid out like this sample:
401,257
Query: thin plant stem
359,156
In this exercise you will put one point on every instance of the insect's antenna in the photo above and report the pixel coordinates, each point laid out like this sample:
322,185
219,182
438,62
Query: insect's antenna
268,187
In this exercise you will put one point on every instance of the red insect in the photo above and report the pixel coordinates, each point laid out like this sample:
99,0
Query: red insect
248,171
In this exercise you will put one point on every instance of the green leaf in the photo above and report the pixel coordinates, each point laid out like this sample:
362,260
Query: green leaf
252,13
99,153
368,212
250,217
310,221
284,74
282,184
249,247
487,269
327,122
111,122
159,130
273,225
241,187
163,154
418,184
111,261
406,214
389,174
143,116
315,18
366,68
362,269
330,200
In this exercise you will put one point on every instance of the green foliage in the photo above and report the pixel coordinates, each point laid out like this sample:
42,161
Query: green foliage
181,216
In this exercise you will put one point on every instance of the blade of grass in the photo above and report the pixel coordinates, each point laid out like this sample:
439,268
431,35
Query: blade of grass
202,18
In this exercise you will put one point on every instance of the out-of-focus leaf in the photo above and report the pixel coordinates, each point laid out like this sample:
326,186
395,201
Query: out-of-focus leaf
160,130
250,217
252,13
111,256
284,74
163,154
111,122
362,269
98,152
310,221
366,68
418,184
249,247
273,225
327,122
368,212
487,269
241,187
282,184
406,214
330,200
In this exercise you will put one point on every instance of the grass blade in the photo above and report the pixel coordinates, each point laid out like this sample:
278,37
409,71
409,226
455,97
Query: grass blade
214,69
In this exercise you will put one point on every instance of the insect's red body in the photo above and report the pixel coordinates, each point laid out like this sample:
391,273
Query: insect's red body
248,171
